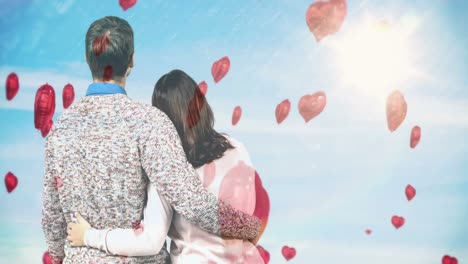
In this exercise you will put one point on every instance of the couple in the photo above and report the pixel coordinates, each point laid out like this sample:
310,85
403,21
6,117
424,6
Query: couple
121,176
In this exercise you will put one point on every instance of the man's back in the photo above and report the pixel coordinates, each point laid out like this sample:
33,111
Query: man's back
93,154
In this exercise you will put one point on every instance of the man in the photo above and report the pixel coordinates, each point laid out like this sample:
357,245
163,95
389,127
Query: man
102,151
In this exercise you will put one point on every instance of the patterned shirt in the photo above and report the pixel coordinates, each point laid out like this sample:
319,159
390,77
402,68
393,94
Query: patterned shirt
100,156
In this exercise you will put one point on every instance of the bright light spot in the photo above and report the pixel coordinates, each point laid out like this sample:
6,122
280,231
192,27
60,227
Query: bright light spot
375,57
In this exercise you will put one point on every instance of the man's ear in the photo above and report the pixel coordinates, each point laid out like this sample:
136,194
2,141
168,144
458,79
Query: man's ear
131,63
86,59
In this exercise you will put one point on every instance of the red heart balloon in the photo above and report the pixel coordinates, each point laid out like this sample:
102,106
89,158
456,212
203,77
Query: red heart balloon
236,115
288,252
203,87
10,182
46,259
449,260
220,68
398,221
396,110
312,105
194,108
100,44
264,254
415,136
325,17
410,192
282,111
68,95
44,108
262,203
12,86
368,231
126,4
108,71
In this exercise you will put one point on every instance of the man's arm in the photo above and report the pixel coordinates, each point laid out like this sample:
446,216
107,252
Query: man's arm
53,221
166,165
147,239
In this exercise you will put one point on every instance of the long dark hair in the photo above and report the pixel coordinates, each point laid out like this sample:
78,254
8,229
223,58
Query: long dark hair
178,95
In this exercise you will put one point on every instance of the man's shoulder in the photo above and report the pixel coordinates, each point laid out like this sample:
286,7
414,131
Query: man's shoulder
141,112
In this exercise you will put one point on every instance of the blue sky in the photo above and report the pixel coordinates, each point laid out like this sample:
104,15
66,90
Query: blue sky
329,179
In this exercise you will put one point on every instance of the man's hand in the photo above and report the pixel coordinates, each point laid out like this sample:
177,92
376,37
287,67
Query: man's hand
76,231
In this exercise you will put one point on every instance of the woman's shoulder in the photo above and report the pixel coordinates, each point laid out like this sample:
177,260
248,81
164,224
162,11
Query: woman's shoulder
239,152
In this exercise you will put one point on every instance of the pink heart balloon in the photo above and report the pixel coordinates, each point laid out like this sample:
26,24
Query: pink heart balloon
236,115
282,111
12,86
264,254
398,221
449,260
262,203
44,108
368,231
237,188
100,44
203,87
68,95
312,105
410,192
10,182
46,258
325,17
288,252
415,136
220,68
396,110
126,4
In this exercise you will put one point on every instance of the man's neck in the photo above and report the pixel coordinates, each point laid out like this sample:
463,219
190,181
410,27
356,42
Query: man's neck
121,83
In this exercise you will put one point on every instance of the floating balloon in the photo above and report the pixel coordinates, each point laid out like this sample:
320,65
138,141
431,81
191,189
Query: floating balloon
325,17
137,227
44,108
396,110
194,108
68,95
46,129
288,252
220,68
237,188
236,115
368,231
58,182
203,87
415,136
209,173
46,258
410,192
108,71
264,254
398,221
282,111
262,203
100,44
12,86
449,260
10,182
312,105
126,4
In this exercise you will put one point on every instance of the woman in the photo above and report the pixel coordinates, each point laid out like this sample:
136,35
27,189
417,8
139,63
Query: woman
224,167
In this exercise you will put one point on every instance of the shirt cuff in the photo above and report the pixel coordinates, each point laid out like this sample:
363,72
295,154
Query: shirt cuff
95,238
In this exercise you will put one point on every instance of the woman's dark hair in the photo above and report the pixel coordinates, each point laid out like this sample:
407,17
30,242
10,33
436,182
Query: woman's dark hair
178,96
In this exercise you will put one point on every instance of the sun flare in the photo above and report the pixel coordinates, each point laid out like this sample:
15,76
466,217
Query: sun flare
374,57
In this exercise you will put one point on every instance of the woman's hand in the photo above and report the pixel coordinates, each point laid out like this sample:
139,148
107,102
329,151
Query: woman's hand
76,231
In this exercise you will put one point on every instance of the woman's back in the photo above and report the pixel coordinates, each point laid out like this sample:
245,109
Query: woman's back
232,179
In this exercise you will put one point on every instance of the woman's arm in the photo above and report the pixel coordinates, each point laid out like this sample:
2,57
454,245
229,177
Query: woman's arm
146,238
